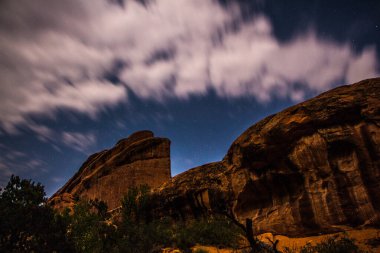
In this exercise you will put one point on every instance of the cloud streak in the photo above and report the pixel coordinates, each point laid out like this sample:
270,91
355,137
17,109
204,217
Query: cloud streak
79,141
16,162
59,56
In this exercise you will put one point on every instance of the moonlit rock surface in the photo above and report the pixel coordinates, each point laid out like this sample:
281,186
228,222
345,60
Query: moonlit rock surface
312,168
139,159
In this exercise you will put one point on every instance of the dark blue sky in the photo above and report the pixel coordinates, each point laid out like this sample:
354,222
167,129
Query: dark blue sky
77,76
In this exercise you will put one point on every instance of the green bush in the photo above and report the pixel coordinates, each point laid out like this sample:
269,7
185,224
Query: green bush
136,233
214,231
144,237
139,234
88,229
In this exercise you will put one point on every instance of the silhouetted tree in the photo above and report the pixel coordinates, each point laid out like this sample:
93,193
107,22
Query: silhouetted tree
222,207
27,223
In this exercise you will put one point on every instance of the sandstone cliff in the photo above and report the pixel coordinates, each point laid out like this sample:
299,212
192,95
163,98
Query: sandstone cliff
139,159
311,168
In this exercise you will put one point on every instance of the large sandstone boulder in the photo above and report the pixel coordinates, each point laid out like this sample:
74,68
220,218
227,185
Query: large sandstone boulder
139,159
312,168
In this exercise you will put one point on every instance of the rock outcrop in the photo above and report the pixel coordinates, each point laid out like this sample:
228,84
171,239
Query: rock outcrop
312,168
139,159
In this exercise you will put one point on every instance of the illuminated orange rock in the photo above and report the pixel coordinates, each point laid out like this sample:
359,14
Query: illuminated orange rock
139,159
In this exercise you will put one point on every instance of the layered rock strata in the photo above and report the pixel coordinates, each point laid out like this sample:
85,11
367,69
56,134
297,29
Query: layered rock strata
312,168
139,159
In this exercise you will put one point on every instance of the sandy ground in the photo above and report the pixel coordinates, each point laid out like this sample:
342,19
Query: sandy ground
360,236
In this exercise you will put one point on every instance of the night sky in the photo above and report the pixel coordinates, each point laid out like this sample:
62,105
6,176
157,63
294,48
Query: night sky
78,75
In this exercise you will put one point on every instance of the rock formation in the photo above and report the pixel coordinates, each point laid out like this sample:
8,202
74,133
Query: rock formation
312,168
139,159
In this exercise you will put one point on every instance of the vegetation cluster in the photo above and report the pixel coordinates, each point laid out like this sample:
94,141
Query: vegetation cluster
29,224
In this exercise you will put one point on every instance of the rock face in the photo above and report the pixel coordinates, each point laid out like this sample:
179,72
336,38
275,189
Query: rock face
139,159
312,168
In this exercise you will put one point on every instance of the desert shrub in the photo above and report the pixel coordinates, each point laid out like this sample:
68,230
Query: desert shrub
290,249
144,237
201,251
88,229
137,233
374,242
214,231
330,245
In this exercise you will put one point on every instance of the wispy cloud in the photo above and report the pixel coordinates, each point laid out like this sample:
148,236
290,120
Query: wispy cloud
57,179
61,56
16,162
5,171
13,155
79,141
43,133
13,161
